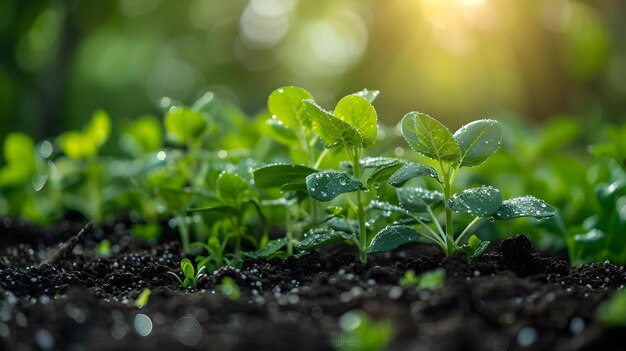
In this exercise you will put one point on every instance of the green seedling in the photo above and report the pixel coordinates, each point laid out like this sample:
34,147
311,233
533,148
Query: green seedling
612,312
189,272
216,255
359,332
431,280
229,288
143,297
104,248
470,146
474,248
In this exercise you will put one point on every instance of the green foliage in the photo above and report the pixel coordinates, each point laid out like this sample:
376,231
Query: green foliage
474,248
85,144
184,125
359,332
471,145
229,288
104,248
189,273
612,312
431,280
143,297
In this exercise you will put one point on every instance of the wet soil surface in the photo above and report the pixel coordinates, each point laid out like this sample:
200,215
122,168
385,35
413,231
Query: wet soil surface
511,298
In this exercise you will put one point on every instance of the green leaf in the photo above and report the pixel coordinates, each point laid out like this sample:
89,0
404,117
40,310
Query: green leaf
478,202
184,125
219,210
333,131
477,141
432,280
327,185
527,206
612,312
19,154
321,237
277,175
271,248
187,267
474,248
77,145
387,207
285,105
382,173
417,199
360,114
344,225
231,188
142,136
369,95
282,133
391,237
410,171
99,128
429,137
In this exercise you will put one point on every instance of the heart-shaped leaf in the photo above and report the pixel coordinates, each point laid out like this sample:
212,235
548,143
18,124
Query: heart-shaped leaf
478,140
333,131
321,237
369,95
391,237
327,185
527,206
286,105
429,137
417,199
360,114
410,171
271,248
277,175
478,202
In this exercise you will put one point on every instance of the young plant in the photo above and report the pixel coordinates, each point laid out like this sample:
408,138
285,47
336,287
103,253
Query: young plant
431,280
359,332
189,272
469,146
229,288
143,297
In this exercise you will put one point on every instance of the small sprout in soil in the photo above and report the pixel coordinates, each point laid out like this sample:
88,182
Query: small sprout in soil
191,276
359,332
469,146
104,248
143,297
229,288
612,312
431,280
474,248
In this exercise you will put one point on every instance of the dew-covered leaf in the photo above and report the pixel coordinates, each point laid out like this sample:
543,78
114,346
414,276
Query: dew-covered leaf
277,175
360,114
391,237
527,206
387,207
417,199
429,137
344,225
478,202
382,173
327,185
369,95
320,237
478,140
410,171
286,104
333,131
271,248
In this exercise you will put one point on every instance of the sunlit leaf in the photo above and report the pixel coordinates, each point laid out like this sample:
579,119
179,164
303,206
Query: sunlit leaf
184,125
98,128
286,105
478,140
360,114
278,175
369,95
429,137
333,131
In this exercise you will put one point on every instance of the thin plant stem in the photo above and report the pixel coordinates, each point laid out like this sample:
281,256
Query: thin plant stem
459,240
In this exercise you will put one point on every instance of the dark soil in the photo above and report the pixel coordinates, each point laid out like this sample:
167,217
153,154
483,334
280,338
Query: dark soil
509,299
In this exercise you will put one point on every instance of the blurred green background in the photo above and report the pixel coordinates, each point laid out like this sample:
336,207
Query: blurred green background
457,60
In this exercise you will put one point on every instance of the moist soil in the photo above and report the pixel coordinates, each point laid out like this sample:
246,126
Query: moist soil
511,298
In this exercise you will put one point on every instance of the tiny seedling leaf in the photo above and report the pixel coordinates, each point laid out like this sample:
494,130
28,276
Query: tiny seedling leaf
327,185
187,268
410,171
391,237
527,206
280,174
271,248
285,104
321,237
478,140
360,114
478,202
231,188
184,125
333,131
417,199
432,280
429,137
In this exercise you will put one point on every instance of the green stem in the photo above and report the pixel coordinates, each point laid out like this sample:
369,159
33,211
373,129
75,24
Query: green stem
320,158
356,167
459,240
289,233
